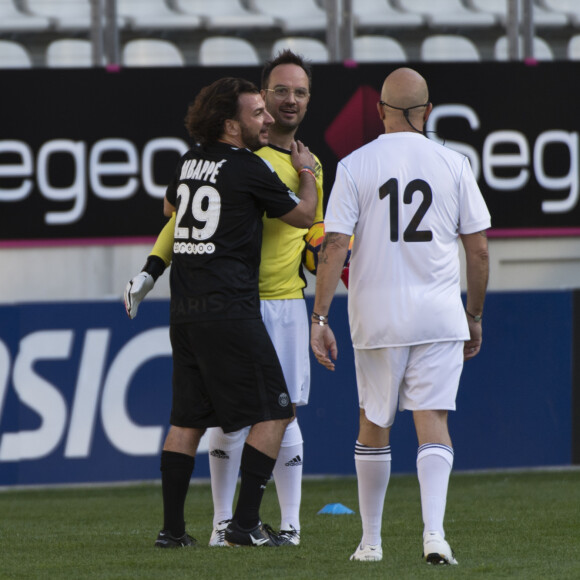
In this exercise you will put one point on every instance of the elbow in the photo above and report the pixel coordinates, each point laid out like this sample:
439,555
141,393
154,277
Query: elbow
168,208
304,218
483,256
308,220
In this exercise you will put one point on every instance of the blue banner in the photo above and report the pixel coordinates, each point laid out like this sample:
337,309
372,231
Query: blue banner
85,393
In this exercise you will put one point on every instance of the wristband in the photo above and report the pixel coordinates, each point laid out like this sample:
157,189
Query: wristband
154,266
476,318
307,170
319,319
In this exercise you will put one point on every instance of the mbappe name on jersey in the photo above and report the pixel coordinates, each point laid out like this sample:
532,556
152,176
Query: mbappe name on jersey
201,169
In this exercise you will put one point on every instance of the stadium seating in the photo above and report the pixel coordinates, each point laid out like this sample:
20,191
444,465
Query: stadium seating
449,48
154,14
143,52
66,14
499,8
312,49
298,16
570,8
227,51
443,13
224,14
384,30
14,55
542,50
14,20
374,48
69,53
374,14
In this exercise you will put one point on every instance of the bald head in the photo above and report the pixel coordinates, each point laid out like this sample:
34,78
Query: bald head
404,88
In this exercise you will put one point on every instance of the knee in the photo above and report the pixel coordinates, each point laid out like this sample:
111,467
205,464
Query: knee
292,436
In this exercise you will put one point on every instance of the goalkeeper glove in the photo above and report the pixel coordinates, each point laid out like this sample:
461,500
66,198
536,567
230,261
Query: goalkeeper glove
139,286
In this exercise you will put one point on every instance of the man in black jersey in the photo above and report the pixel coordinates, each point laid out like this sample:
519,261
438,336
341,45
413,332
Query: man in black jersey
225,370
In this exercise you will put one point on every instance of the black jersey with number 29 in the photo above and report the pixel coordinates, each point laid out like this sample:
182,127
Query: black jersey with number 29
220,194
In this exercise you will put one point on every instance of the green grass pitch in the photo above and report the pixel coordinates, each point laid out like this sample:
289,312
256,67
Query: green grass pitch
501,525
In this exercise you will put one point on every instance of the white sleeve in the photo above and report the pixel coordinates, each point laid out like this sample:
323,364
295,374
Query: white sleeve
342,210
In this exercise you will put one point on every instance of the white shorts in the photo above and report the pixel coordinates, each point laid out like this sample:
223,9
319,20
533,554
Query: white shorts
423,377
289,328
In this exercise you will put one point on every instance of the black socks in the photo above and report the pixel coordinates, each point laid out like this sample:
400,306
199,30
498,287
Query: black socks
256,469
176,470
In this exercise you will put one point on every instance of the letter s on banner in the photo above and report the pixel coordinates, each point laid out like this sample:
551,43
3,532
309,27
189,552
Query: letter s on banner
463,111
39,395
122,432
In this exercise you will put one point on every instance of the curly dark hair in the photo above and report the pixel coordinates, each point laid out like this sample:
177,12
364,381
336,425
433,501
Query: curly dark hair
286,57
213,105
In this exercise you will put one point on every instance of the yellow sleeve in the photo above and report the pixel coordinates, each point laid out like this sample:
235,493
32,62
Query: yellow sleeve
319,188
163,247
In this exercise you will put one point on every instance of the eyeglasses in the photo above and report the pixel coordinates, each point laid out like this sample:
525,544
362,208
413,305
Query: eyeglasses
281,93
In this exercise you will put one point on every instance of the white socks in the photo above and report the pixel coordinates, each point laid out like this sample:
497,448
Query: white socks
225,455
373,470
434,463
288,476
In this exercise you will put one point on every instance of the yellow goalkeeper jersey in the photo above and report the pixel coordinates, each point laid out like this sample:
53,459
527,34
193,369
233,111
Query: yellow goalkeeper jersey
281,276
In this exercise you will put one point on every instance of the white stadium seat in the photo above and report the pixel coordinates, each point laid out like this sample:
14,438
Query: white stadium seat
227,51
440,13
224,14
373,14
542,50
499,8
297,16
449,48
14,20
310,48
570,8
13,55
374,48
66,14
143,52
69,53
154,14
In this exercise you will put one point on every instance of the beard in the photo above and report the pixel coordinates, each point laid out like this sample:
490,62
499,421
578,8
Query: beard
252,140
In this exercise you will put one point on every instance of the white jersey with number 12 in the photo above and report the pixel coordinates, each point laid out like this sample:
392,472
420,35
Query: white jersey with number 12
406,199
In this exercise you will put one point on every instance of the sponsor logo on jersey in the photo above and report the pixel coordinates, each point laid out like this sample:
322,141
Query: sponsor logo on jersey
189,248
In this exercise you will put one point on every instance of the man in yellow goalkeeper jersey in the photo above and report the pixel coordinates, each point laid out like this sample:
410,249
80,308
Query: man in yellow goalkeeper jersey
286,87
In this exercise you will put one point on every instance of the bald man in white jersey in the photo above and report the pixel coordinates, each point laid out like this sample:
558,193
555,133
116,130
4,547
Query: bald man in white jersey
408,201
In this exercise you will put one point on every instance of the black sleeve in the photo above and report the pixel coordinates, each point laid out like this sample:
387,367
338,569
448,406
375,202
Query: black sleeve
273,194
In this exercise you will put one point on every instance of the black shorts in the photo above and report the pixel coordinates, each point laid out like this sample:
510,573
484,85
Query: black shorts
226,373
